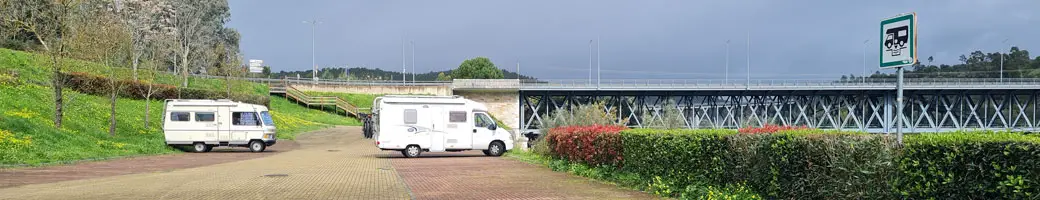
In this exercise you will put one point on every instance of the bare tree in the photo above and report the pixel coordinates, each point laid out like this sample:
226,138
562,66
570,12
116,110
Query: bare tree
139,19
49,21
107,42
196,21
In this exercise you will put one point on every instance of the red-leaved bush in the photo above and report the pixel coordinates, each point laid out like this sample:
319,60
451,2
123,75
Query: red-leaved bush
770,128
593,145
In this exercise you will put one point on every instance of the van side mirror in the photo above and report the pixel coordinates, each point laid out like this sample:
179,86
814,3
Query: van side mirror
492,127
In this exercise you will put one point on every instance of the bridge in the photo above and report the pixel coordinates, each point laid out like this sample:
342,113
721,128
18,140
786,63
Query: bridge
931,105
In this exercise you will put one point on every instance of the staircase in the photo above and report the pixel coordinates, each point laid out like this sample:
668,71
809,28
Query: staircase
291,92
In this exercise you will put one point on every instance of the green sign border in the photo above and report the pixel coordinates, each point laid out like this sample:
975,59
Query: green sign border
913,40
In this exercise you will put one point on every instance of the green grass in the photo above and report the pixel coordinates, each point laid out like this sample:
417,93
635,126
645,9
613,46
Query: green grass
37,68
293,119
359,100
31,138
28,136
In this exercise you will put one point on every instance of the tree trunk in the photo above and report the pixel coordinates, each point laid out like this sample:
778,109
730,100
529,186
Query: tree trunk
136,60
58,82
227,82
147,106
184,65
112,113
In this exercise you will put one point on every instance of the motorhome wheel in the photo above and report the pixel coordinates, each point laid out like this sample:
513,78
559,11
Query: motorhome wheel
200,147
496,149
412,151
257,146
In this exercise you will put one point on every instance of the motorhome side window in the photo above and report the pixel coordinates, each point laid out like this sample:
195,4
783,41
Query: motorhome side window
457,116
244,119
204,116
180,116
411,116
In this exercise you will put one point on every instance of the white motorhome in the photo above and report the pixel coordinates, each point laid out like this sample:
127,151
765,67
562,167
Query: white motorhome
416,124
204,124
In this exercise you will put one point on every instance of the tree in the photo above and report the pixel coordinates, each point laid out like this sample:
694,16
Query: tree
107,42
267,71
477,68
195,23
48,21
442,77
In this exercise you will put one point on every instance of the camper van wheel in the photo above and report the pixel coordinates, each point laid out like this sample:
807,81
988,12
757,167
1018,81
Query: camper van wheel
412,151
199,147
257,146
496,149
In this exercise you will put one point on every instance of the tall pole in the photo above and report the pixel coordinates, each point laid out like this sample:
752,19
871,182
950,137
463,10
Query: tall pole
517,69
314,73
727,62
413,61
404,66
590,62
899,106
1002,62
748,60
599,74
864,62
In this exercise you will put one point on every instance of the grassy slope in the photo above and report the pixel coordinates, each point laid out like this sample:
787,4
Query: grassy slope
359,100
28,135
293,119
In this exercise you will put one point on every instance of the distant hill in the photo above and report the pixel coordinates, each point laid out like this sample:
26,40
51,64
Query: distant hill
360,73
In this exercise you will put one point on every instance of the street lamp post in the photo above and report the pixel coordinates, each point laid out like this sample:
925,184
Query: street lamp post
599,74
314,73
590,62
727,62
864,62
413,61
748,60
1002,62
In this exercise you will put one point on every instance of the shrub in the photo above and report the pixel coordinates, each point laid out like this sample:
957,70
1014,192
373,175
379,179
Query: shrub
770,128
99,85
593,145
681,156
581,115
812,164
970,165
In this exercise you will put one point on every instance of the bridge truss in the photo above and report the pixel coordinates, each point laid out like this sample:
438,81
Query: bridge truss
863,110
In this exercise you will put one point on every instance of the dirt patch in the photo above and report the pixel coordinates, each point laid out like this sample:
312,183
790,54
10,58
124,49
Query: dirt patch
471,175
25,176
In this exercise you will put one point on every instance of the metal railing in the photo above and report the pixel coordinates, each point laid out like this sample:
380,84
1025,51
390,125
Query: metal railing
744,84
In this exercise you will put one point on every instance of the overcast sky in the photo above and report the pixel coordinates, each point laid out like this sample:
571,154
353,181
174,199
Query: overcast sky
660,39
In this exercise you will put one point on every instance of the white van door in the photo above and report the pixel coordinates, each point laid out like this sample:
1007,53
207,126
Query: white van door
458,130
429,118
482,136
210,125
224,134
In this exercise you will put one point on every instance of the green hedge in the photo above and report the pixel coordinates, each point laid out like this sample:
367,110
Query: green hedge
965,165
682,157
98,85
813,164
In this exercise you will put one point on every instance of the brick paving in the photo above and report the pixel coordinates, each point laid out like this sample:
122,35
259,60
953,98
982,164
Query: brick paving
330,164
333,163
471,175
24,176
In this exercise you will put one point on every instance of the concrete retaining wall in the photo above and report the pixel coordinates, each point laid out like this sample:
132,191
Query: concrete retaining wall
377,89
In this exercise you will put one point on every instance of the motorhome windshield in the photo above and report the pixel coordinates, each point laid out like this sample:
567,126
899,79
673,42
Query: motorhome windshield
266,117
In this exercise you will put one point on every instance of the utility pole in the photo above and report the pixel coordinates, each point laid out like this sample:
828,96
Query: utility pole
314,74
727,62
599,74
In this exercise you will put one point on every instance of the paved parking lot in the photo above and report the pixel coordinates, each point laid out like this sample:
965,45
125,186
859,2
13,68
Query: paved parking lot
334,163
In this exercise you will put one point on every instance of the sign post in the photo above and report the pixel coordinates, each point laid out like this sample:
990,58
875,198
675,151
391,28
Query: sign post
899,49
